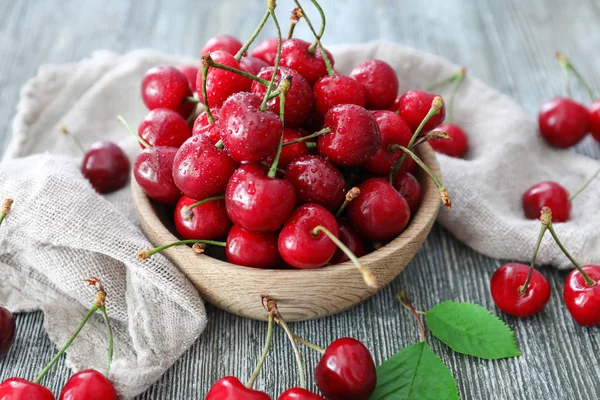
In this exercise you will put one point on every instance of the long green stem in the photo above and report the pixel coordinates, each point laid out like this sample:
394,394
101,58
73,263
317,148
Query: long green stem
525,286
74,138
292,337
585,185
206,64
147,253
263,357
459,78
130,130
246,45
567,67
284,87
308,137
313,46
330,70
588,280
214,64
308,344
272,6
110,340
405,301
5,209
185,211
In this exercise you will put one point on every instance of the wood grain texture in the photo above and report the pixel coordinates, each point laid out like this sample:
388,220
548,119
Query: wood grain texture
509,44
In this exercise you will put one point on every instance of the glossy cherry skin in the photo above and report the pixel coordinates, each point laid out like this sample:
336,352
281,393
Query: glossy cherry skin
394,130
563,122
225,43
164,127
299,394
295,55
88,384
252,65
201,170
203,127
230,388
299,101
256,202
7,330
297,244
414,106
191,73
505,285
256,250
167,87
379,82
267,50
583,301
354,136
410,188
221,84
352,240
595,120
291,152
249,134
346,371
106,166
153,171
457,147
21,389
332,90
550,194
208,221
380,212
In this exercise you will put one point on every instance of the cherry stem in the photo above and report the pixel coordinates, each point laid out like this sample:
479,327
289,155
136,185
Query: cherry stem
308,137
433,135
284,87
192,117
366,273
185,211
265,164
75,139
272,4
295,17
312,49
220,144
263,357
246,45
568,67
147,253
585,185
110,340
206,64
308,344
459,78
213,64
130,130
588,280
351,195
311,145
525,286
405,301
191,99
5,209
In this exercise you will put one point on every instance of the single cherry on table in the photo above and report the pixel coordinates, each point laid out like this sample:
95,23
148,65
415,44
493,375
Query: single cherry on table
582,297
22,389
550,194
88,384
508,294
8,328
230,388
563,122
106,166
299,394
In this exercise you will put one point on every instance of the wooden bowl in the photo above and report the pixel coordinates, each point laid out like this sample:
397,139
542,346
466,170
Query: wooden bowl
301,294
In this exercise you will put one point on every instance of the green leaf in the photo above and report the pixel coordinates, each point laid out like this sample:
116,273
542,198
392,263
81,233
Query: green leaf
471,329
415,372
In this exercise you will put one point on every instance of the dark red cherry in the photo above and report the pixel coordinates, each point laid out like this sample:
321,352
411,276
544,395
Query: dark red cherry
298,246
550,194
595,120
21,389
190,72
221,84
252,65
457,147
167,87
316,180
291,152
230,388
7,330
563,122
257,250
354,136
266,50
256,202
248,133
225,43
505,287
299,101
410,188
352,240
380,212
346,371
203,127
332,90
414,105
299,394
379,82
582,300
88,384
208,221
200,170
394,130
295,55
153,171
106,166
164,127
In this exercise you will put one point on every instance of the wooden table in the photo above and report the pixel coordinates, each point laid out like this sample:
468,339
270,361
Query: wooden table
508,44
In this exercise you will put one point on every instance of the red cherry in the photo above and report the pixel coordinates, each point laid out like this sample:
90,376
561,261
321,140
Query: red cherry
595,120
352,240
203,127
563,122
291,152
221,84
414,106
21,389
190,72
354,136
7,330
248,133
256,202
410,188
346,371
299,101
582,300
164,127
257,250
153,171
230,388
505,287
396,106
549,194
106,166
226,43
267,50
297,244
457,147
201,170
379,82
167,87
208,221
252,65
394,130
299,394
295,55
380,212
88,384
332,90
316,180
